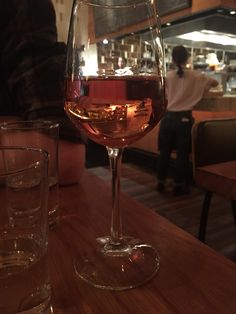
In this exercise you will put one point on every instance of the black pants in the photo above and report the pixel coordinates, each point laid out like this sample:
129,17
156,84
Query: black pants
175,134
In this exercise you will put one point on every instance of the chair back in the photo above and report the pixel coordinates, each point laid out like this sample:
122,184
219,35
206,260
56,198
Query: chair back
213,141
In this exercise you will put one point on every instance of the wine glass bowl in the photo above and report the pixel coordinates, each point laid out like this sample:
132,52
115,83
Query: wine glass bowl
115,107
120,120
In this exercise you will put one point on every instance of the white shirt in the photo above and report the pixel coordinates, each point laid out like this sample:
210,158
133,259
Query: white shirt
124,71
185,92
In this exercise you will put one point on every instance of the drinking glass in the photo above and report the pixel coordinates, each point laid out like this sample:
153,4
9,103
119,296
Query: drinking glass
115,107
24,280
38,134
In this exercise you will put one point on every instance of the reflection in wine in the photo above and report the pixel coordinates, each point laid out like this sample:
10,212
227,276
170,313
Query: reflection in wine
115,118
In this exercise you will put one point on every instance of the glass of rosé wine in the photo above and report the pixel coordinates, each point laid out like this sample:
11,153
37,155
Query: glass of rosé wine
115,106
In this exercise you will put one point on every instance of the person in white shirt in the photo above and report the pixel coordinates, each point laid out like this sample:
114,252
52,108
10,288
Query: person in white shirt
123,69
184,88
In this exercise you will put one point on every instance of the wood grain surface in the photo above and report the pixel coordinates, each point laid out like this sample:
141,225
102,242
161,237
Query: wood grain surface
192,277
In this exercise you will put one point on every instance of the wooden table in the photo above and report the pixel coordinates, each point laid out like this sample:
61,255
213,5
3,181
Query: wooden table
192,277
213,175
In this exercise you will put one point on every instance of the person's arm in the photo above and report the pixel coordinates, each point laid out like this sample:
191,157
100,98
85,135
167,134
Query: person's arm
211,82
32,64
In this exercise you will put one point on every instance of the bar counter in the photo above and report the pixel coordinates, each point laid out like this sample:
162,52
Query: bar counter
192,277
212,106
216,102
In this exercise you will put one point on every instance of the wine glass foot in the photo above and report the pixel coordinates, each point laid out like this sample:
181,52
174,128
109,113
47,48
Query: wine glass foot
118,267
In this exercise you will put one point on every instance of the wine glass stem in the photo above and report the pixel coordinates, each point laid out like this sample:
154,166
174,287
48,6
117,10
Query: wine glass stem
115,158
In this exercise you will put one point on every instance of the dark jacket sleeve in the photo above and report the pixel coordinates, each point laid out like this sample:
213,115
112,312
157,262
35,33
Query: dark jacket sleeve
32,63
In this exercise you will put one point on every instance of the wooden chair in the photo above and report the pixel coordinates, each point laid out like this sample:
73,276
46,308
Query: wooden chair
214,163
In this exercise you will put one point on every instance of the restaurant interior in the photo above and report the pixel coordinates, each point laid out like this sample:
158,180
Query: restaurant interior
207,30
195,233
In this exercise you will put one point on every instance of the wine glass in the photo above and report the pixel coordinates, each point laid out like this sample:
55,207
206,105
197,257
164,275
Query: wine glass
115,107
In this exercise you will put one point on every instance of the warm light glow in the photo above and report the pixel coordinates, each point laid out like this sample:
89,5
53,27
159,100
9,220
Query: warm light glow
210,36
90,60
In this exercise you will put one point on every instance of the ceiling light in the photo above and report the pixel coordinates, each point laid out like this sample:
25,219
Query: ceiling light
105,41
210,36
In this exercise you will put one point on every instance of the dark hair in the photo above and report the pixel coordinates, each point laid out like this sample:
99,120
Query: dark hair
180,56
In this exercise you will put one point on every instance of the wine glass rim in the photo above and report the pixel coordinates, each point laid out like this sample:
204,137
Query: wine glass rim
42,159
104,4
28,125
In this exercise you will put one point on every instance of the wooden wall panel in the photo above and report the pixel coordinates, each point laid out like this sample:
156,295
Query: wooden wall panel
198,6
